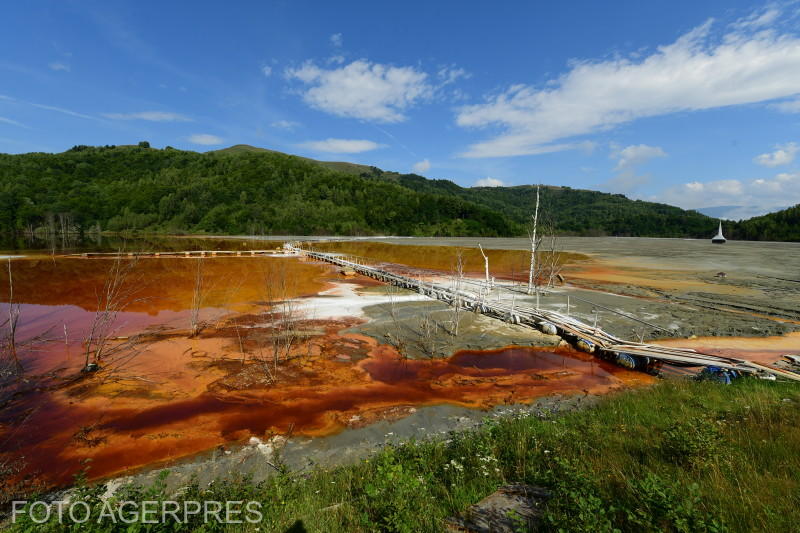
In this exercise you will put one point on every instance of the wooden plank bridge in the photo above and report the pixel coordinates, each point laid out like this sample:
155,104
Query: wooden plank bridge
188,253
590,339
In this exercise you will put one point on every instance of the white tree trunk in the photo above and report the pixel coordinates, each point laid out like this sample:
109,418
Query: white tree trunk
485,264
533,244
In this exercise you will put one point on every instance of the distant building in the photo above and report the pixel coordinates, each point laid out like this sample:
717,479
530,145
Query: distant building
718,238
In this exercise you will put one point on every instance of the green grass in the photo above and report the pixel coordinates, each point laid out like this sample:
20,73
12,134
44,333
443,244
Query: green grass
679,456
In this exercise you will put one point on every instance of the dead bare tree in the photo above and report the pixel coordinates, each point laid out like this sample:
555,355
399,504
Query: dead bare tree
13,349
283,331
395,334
550,268
197,300
485,265
117,294
10,339
533,241
458,279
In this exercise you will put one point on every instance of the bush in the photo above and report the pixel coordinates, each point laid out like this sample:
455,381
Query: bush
694,442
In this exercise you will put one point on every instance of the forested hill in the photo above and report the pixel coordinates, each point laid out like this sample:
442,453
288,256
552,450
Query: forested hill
779,226
141,188
243,189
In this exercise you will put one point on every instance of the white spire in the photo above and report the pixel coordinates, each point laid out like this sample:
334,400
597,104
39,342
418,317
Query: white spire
719,238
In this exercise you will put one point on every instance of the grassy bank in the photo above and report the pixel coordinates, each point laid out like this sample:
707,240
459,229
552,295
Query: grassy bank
680,456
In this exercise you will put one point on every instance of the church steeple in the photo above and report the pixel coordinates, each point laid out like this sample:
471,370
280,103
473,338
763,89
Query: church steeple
718,238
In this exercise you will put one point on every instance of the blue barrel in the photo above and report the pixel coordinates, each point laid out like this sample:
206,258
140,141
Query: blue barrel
585,345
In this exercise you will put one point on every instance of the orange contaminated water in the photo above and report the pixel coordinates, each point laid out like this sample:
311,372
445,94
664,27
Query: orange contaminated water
507,264
180,396
764,350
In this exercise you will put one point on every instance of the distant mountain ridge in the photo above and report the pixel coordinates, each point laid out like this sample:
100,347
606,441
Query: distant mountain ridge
246,189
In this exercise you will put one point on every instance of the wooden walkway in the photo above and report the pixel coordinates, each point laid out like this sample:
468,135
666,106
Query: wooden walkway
190,253
634,355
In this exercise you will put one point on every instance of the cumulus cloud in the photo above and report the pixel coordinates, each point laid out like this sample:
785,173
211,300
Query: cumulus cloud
421,166
489,182
754,197
285,124
59,67
783,155
336,39
152,116
342,146
629,159
744,63
635,155
205,139
266,70
452,74
364,90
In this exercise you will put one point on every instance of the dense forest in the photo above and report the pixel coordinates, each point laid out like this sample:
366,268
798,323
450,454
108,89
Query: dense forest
246,190
141,188
780,226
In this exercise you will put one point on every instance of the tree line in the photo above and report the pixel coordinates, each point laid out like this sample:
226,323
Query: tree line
139,188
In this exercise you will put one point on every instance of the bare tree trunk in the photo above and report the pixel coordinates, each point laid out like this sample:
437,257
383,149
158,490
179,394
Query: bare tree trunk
13,318
116,295
485,265
532,235
197,300
284,333
459,276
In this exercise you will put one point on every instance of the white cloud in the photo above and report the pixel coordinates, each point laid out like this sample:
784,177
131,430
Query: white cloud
266,70
789,106
285,124
783,155
342,146
744,63
627,180
152,116
205,139
364,90
755,197
489,182
758,19
57,109
336,39
421,166
452,74
5,120
337,60
59,67
48,107
635,155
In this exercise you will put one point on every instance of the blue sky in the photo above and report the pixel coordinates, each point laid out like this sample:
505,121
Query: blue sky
696,104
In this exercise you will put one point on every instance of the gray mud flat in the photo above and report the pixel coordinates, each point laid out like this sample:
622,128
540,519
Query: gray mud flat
758,296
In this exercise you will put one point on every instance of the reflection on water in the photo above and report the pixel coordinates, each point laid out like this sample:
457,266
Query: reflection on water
57,244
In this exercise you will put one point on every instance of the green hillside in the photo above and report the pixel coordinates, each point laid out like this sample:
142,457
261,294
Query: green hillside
575,211
779,226
340,166
245,189
140,188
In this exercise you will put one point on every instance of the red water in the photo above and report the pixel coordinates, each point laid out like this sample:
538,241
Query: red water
183,396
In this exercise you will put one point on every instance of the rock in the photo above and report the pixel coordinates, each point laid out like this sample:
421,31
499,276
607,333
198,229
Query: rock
510,508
